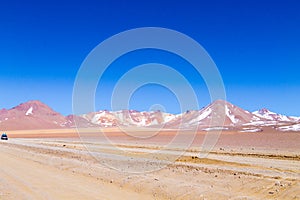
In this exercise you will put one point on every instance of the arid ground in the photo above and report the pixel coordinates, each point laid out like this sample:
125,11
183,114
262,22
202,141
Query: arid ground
58,164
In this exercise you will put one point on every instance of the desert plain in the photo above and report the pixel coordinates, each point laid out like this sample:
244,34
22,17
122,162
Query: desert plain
112,164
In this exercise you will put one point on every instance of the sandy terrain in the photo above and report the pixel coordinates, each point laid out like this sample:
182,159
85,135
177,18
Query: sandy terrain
56,164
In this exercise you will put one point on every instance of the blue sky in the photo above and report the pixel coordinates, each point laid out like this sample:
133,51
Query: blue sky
255,45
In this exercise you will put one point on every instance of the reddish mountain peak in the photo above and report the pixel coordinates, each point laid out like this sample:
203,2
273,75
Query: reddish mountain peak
35,102
218,105
31,103
35,106
133,111
32,115
264,111
221,102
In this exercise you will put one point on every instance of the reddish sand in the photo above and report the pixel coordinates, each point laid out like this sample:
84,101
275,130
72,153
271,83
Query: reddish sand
268,139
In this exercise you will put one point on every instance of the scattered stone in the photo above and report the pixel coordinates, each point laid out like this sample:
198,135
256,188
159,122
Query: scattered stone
277,183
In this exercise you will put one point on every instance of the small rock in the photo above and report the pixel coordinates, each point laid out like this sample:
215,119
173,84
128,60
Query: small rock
277,183
111,181
156,179
271,192
216,175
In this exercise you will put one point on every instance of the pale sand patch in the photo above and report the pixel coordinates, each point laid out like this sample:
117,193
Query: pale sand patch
23,178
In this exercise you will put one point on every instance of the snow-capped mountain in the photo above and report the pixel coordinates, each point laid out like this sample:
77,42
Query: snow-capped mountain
128,118
30,115
73,121
220,115
268,115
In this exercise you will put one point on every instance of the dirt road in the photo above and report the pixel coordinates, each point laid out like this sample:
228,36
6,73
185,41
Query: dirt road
64,169
25,178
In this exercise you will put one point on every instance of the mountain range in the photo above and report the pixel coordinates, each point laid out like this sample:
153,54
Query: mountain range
219,115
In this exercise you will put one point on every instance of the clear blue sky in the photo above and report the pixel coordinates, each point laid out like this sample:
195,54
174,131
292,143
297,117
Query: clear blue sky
255,44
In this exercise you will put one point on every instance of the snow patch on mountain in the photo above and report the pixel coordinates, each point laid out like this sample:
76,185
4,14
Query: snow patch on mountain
217,128
29,111
295,118
262,123
230,115
168,117
202,116
250,130
254,118
155,122
295,127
